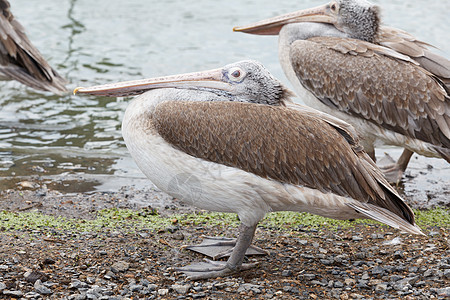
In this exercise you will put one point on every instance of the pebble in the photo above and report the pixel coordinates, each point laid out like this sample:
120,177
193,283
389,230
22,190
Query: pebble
42,289
2,286
4,268
163,292
181,289
13,293
246,287
32,276
381,287
120,266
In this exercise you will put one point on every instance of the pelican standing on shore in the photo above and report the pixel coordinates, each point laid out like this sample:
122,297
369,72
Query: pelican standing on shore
251,151
20,60
382,80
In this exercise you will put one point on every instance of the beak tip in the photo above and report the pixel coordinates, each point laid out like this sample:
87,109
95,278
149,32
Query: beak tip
76,90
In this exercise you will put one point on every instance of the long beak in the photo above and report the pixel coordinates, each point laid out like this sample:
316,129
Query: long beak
272,26
205,79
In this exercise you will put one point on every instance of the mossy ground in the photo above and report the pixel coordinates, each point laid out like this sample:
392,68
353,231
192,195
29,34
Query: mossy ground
133,220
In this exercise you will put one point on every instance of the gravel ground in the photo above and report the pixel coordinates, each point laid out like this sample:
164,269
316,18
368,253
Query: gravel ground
366,261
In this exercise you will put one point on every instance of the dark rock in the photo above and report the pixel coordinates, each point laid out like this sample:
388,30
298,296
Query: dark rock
48,261
378,270
286,273
399,254
120,266
33,276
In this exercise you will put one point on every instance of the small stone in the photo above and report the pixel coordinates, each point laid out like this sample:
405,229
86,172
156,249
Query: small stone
163,292
12,293
178,236
303,242
309,276
249,287
77,284
395,278
136,287
4,268
181,289
152,287
445,292
32,295
377,270
120,266
42,289
48,261
32,276
399,254
327,261
357,238
349,281
446,273
381,287
286,273
172,229
2,286
338,284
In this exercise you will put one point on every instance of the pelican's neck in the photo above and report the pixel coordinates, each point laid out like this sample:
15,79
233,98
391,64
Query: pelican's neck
302,31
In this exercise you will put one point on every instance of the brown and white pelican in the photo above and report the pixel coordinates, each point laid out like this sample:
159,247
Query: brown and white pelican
250,151
20,60
382,80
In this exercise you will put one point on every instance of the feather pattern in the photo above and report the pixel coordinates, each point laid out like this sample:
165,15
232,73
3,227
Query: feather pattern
375,83
20,60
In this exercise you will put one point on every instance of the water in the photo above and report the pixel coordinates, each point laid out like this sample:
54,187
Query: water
74,143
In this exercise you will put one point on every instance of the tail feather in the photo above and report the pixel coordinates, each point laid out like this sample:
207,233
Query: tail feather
385,216
444,152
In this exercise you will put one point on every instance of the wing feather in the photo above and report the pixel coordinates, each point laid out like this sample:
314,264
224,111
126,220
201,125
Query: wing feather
20,60
391,92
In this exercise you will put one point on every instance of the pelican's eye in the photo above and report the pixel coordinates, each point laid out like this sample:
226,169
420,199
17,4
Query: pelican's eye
334,7
236,74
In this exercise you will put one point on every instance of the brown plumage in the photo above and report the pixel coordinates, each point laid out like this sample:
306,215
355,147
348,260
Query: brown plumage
404,43
366,81
278,143
20,60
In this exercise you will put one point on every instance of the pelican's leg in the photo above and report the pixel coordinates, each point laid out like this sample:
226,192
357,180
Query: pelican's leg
212,269
394,171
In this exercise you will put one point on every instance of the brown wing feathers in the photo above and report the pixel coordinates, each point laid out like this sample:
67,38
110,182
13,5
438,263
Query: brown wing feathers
20,60
390,92
277,143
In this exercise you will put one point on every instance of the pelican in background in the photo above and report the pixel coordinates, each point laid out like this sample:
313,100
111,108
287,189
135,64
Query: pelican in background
20,60
252,151
382,80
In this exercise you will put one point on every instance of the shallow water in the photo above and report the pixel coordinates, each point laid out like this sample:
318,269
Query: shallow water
74,143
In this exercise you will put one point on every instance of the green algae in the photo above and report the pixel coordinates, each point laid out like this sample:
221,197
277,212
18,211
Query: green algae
133,220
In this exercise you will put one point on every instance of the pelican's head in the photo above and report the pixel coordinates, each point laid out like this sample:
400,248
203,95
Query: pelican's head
244,81
358,19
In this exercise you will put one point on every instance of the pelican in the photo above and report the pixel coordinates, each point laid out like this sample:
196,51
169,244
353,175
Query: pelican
382,80
20,60
246,148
